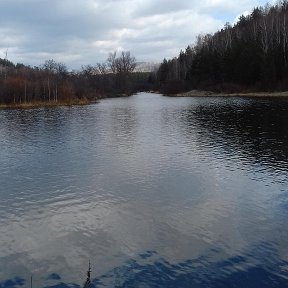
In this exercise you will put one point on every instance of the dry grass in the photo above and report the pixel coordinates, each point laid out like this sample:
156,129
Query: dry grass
37,104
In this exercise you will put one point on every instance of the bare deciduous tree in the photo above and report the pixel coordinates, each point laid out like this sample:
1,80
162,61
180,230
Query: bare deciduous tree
123,64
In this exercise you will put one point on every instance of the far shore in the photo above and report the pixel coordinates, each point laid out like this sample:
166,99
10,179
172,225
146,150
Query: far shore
192,93
69,102
203,93
39,104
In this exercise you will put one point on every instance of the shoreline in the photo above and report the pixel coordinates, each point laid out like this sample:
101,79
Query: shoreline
43,104
203,93
192,93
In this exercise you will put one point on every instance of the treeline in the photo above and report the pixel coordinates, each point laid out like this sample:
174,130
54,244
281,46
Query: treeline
52,82
250,55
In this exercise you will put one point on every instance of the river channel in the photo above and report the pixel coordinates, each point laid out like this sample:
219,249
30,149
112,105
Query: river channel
155,191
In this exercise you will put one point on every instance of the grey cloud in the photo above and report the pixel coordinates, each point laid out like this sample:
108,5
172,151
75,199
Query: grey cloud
160,7
53,20
211,7
52,26
82,32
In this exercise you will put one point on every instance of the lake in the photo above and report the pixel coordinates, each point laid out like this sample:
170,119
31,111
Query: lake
155,191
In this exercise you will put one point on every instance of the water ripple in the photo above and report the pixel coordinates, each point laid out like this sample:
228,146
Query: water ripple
155,191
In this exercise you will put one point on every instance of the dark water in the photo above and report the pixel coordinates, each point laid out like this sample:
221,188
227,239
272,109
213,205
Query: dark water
155,191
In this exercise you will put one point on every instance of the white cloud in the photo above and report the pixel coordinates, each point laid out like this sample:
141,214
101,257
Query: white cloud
245,13
82,32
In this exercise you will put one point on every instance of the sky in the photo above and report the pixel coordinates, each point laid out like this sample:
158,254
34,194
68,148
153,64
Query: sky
82,32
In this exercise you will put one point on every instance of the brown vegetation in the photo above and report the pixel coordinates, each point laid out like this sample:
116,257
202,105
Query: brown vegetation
51,84
37,104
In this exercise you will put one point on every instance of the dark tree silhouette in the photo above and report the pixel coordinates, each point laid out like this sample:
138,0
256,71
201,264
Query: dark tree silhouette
52,83
252,54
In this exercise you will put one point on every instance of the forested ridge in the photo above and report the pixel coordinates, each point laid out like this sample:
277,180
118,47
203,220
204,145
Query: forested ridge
247,56
53,84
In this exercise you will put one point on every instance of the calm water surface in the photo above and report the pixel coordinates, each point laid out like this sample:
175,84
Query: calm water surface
155,191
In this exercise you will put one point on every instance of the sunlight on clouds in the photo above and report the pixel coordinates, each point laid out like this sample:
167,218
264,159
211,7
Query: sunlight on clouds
228,5
105,44
122,33
245,13
109,45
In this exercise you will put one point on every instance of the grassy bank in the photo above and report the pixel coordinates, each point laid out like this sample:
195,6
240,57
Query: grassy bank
69,102
201,93
37,104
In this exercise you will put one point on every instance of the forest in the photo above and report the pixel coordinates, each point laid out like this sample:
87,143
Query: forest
52,84
251,55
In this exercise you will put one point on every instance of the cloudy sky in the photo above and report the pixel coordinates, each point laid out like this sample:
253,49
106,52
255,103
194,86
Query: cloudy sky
81,32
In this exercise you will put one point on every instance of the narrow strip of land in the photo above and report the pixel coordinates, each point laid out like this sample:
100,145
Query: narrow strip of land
203,93
38,104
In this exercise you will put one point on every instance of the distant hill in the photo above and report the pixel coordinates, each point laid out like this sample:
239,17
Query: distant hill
146,67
